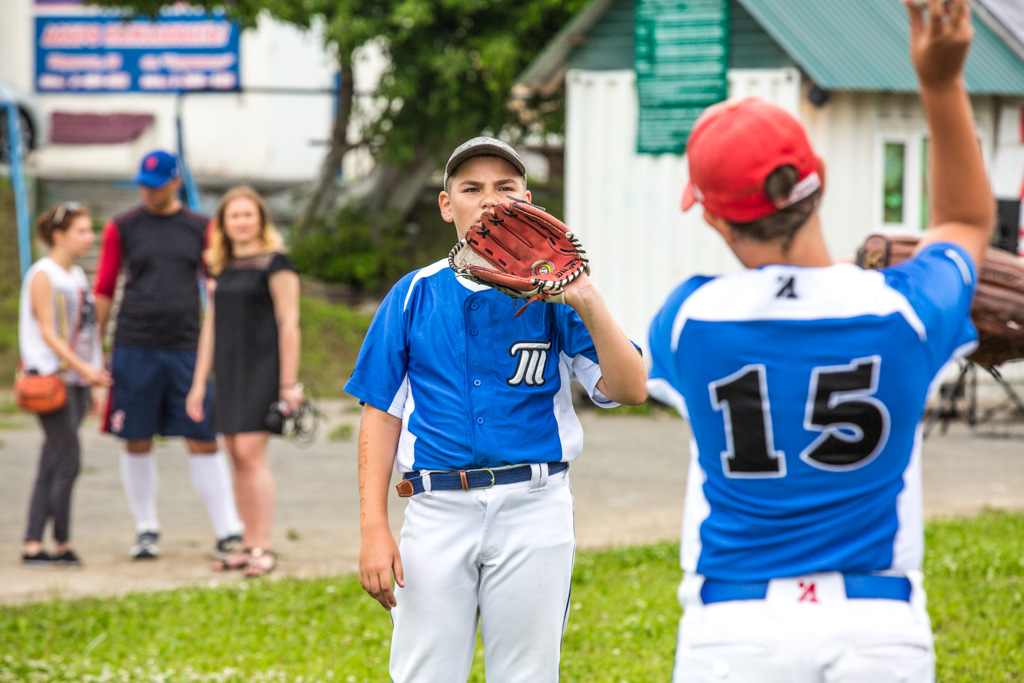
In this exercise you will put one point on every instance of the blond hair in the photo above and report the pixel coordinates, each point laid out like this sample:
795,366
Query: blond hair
219,253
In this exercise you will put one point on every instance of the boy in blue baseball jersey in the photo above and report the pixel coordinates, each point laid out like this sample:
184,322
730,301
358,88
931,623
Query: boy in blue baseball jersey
804,382
474,407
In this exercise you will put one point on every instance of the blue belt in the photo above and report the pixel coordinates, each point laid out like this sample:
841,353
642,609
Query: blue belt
467,480
858,586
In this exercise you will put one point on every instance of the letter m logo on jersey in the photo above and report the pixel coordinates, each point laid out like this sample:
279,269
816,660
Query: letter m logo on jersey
533,356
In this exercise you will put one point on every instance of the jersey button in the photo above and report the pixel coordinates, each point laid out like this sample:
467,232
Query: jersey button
477,383
479,420
474,306
474,332
485,461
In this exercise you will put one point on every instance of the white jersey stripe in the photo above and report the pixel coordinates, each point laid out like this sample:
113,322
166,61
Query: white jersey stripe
840,292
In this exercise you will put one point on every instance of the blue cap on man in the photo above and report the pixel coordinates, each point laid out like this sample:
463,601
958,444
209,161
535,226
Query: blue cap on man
157,169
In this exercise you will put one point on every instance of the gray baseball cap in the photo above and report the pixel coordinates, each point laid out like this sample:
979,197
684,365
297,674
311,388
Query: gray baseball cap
479,147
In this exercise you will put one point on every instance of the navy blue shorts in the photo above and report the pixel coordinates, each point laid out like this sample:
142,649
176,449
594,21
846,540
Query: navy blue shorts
148,396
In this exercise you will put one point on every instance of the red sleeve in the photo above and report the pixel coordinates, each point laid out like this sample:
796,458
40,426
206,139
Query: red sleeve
109,262
204,266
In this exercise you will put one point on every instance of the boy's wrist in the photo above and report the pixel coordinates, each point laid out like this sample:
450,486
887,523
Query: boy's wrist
374,524
942,85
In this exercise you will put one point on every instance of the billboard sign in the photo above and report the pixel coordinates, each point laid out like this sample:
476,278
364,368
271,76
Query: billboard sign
81,49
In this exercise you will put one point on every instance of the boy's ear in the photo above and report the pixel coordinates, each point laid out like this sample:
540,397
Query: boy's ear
720,225
445,204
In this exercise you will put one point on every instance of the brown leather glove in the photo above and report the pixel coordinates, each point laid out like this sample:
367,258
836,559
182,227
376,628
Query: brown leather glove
998,308
522,251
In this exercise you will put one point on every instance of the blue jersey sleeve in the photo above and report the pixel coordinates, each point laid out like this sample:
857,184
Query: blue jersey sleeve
939,283
578,345
664,380
382,364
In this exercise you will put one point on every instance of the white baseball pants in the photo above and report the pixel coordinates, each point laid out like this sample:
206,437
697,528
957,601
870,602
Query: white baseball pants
782,639
502,556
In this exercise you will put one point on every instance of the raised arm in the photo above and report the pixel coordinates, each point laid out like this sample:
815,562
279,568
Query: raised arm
962,206
623,372
378,552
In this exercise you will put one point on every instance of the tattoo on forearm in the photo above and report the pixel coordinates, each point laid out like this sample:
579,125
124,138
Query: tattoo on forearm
364,462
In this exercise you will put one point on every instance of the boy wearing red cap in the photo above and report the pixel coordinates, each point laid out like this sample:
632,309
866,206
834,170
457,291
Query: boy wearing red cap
804,382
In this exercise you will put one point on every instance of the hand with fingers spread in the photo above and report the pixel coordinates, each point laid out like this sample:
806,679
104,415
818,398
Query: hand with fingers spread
940,37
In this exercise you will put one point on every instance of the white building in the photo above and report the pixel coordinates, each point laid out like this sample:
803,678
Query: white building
636,72
256,135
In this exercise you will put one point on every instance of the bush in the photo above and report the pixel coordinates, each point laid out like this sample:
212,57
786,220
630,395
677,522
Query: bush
342,251
10,279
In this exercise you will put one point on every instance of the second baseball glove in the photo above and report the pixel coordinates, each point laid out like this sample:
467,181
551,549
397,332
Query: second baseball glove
522,251
998,308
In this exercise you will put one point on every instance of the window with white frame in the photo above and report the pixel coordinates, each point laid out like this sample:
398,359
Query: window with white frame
901,186
901,179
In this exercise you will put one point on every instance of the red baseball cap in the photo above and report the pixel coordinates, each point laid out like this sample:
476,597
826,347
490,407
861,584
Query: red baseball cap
733,148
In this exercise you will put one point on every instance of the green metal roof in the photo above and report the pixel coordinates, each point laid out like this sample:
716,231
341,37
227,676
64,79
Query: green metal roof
863,45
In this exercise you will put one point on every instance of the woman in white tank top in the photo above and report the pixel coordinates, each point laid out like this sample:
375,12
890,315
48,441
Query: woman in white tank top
57,332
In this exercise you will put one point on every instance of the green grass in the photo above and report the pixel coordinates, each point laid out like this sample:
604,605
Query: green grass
10,283
331,337
343,432
622,625
974,571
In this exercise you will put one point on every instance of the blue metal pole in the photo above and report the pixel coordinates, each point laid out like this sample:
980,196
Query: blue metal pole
191,189
14,157
189,183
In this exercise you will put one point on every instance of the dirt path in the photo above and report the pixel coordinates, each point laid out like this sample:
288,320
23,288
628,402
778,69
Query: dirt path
628,488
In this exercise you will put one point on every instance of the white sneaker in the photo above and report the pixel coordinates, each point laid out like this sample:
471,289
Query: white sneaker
145,547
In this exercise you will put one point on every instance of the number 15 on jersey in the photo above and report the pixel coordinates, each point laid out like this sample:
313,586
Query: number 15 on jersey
852,424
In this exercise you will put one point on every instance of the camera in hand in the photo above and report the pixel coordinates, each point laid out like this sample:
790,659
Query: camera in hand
277,416
299,424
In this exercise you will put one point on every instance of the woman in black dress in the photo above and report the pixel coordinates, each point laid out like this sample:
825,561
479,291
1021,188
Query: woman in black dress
250,340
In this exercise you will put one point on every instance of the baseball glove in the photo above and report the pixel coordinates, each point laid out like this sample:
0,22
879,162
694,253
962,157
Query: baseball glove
522,251
998,308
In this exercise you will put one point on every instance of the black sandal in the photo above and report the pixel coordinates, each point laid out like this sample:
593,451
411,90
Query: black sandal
227,565
261,562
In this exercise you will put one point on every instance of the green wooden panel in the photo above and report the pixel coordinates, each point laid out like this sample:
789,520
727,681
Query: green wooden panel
750,46
609,43
681,53
862,45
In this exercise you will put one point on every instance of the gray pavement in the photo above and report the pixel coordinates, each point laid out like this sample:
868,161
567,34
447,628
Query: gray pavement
628,487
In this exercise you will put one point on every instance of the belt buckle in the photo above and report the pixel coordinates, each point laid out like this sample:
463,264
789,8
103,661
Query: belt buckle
405,488
465,479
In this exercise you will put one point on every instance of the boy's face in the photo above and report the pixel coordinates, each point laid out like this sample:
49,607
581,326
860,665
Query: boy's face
479,184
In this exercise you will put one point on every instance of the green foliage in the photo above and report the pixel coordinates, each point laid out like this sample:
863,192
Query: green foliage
457,60
622,623
10,283
331,337
343,251
452,62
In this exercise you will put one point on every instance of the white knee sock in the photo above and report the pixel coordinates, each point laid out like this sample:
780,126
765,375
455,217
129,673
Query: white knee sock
211,479
139,477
